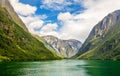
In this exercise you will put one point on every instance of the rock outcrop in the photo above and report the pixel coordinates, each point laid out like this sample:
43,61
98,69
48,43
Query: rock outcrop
66,48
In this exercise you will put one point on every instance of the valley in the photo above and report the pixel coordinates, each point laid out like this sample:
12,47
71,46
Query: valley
18,44
46,38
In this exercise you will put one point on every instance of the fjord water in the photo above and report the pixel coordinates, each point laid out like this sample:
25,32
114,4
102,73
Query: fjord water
61,68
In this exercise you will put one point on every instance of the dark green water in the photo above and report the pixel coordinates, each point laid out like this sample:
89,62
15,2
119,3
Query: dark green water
61,68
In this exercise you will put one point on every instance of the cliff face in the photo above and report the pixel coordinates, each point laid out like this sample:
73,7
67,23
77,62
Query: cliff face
66,48
103,41
6,4
103,27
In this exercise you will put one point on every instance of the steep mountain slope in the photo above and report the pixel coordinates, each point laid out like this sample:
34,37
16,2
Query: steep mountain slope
65,48
104,39
6,4
17,44
48,46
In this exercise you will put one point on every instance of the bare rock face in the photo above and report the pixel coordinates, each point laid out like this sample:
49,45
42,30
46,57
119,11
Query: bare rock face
103,26
66,48
6,4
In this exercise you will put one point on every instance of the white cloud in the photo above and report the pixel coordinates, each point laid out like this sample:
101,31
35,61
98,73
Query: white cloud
35,25
23,9
30,19
49,29
32,23
55,4
65,16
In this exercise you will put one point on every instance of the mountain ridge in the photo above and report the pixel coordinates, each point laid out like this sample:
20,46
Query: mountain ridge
65,48
96,45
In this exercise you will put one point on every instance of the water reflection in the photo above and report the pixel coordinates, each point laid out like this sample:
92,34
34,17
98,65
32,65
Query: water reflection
102,68
60,68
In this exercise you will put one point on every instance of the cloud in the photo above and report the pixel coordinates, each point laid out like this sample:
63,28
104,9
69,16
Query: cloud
34,26
65,16
32,23
23,9
49,29
31,19
55,4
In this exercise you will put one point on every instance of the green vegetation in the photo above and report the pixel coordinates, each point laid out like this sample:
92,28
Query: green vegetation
107,48
48,46
17,44
104,48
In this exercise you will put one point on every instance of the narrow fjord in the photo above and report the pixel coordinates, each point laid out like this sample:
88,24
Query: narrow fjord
25,51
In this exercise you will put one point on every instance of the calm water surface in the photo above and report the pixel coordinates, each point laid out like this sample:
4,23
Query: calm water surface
61,68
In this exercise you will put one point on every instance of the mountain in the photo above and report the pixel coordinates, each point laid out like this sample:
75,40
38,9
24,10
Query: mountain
103,41
65,48
16,43
48,46
6,4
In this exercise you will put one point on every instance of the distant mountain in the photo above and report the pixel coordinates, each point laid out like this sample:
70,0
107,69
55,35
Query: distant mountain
16,43
48,46
65,48
104,40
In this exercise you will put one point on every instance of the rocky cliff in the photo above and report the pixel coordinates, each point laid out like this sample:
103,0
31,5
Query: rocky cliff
103,41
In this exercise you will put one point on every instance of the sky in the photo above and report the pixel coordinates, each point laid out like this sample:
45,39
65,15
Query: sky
65,19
